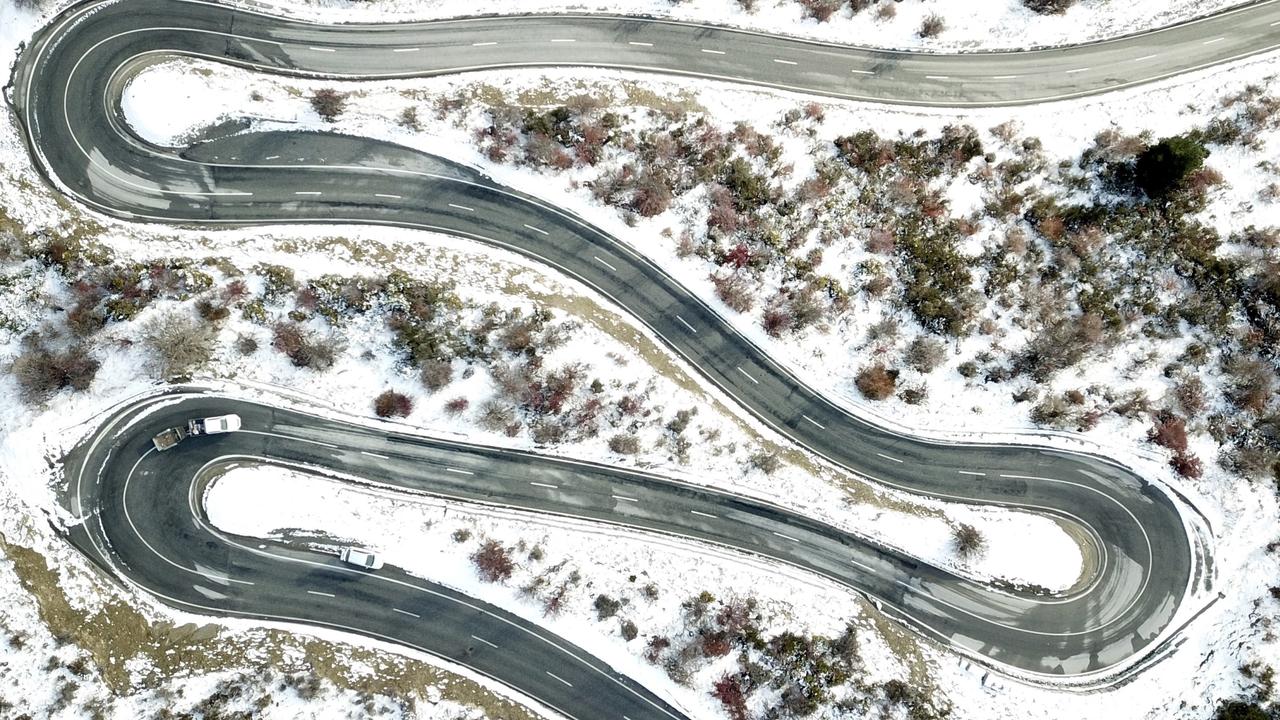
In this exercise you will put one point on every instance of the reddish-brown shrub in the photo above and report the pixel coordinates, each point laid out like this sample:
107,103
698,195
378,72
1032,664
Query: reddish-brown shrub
735,290
1169,431
729,692
657,645
456,406
392,404
1187,465
716,644
876,382
493,562
328,103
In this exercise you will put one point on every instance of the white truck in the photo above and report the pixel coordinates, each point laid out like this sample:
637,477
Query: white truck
198,426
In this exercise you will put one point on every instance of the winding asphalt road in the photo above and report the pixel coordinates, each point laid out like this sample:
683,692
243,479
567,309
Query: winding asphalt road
66,90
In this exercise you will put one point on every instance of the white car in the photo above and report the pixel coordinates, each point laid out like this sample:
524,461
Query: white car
220,424
360,558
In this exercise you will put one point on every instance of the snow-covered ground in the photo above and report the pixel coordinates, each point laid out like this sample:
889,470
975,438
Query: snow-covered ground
970,26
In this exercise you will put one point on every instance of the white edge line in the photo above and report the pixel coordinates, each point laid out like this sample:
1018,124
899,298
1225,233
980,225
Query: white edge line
406,612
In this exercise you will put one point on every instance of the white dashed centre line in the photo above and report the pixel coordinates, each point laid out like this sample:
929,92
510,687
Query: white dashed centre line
406,49
406,612
889,457
537,230
744,372
1077,70
1144,57
462,207
486,642
273,157
712,52
458,472
562,40
624,498
557,677
483,44
544,485
785,62
317,592
686,324
937,77
786,537
640,44
1003,77
970,472
307,192
387,195
863,72
320,49
602,262
815,423
697,512
1215,40
376,455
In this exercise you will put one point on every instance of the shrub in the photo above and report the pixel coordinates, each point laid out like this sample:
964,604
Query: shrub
179,341
1187,465
625,444
876,382
328,103
305,349
629,630
392,404
606,607
456,406
967,540
493,562
729,692
1169,431
1241,710
1164,166
409,118
925,353
821,10
436,374
1048,7
246,344
461,535
41,372
651,196
932,26
735,290
766,462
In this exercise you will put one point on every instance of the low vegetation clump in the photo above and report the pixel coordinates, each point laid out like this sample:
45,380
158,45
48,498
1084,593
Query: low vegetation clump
391,404
328,103
967,540
493,562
